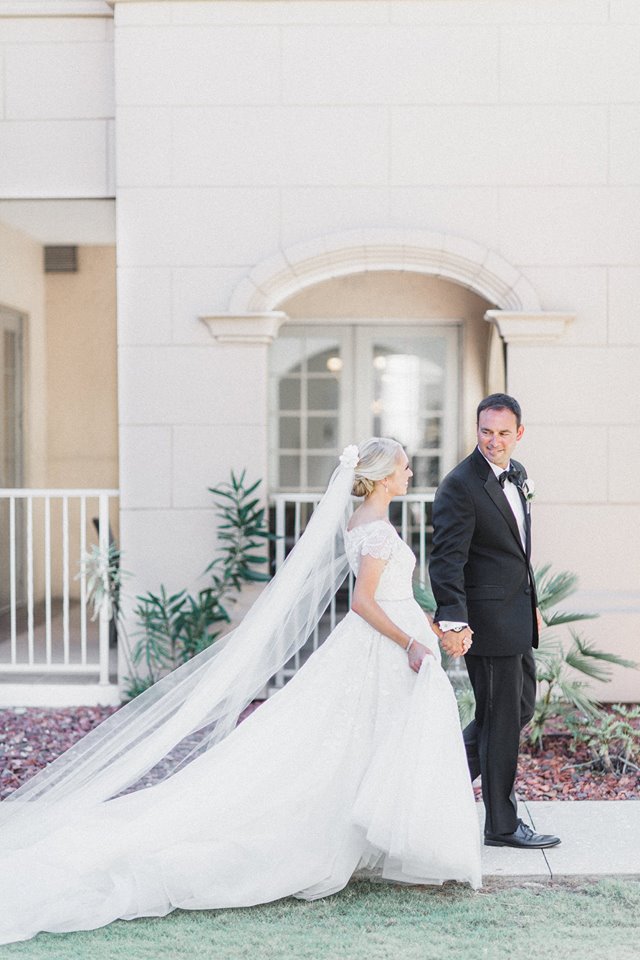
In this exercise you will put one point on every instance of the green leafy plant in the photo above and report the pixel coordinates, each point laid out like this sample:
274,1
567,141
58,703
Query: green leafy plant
612,739
561,692
552,589
175,627
104,577
561,667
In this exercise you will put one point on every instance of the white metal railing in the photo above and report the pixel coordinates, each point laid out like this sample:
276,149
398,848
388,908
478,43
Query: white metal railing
44,535
292,511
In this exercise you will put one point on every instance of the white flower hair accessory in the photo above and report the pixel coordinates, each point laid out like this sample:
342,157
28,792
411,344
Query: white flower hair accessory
349,457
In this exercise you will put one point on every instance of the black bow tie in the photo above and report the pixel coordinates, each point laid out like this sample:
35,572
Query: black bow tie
512,474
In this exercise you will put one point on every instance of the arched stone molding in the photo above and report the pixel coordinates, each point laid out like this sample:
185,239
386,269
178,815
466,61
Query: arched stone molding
456,259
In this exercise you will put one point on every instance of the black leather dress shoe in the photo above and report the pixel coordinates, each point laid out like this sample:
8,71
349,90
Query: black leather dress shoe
523,836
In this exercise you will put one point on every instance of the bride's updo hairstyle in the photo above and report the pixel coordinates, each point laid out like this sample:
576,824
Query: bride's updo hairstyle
378,458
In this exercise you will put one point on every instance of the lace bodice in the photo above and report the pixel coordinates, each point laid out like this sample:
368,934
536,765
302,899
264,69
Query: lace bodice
379,539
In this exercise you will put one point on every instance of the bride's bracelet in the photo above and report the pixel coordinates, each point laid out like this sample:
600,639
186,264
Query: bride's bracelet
408,646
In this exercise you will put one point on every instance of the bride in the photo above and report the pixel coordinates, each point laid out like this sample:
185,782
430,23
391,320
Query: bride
356,766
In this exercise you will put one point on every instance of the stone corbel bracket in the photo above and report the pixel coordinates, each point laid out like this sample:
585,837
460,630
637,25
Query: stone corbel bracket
523,327
247,328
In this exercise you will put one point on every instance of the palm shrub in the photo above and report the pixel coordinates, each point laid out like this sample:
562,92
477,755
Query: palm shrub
612,739
175,627
562,692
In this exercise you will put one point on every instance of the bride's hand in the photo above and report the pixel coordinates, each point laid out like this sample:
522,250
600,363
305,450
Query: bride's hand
416,654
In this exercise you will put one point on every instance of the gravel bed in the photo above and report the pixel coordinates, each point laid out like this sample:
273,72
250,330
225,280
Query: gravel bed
31,737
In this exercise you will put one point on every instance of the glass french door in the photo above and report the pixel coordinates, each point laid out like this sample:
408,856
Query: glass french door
333,385
11,416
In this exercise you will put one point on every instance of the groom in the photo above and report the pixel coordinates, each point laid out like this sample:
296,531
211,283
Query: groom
483,584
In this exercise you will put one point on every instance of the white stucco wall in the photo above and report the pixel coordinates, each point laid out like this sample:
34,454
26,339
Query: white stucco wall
57,103
245,127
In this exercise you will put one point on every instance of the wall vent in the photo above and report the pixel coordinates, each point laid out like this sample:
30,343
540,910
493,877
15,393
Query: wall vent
60,259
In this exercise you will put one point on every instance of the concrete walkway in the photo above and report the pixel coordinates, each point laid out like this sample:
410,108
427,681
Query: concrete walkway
600,838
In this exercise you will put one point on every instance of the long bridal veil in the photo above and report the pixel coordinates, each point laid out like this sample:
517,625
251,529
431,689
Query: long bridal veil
197,705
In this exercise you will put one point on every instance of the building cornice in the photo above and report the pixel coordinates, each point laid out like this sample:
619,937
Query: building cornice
534,327
248,328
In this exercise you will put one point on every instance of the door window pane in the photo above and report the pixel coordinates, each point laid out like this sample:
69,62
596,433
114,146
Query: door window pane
289,471
414,393
431,433
322,432
289,437
322,394
408,382
289,393
426,471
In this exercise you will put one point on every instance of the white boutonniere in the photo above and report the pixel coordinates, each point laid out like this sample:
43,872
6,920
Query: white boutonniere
528,488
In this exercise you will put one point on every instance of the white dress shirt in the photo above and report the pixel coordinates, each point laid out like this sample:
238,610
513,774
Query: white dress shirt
517,508
515,501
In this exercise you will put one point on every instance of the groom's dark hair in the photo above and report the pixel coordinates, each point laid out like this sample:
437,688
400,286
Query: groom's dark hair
500,401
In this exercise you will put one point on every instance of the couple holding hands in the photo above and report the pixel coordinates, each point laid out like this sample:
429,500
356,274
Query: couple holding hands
357,766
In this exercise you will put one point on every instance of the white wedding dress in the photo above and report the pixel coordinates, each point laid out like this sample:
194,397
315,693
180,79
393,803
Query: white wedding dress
356,767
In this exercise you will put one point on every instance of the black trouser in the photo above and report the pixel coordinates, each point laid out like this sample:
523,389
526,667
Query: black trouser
505,692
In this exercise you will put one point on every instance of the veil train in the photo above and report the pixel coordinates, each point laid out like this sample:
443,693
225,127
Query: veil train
198,704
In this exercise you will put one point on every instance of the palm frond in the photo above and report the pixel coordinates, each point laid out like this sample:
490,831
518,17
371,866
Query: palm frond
466,704
578,694
589,666
561,617
551,588
587,649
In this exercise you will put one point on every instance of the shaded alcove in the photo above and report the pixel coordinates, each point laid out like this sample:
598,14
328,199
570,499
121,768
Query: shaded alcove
402,297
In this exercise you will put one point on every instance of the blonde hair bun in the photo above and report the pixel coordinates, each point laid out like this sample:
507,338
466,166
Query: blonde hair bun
362,487
378,458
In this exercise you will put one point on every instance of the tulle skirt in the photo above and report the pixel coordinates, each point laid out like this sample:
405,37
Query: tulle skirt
356,767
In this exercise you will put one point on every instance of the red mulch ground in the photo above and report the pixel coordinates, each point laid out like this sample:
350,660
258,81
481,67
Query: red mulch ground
550,775
32,737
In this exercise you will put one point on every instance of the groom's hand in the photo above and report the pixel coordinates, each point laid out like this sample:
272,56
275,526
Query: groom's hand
456,643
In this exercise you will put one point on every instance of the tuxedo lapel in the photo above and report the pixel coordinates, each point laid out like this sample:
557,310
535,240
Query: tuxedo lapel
526,506
495,491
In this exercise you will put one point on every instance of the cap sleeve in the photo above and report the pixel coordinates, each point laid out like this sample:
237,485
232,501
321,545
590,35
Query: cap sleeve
378,541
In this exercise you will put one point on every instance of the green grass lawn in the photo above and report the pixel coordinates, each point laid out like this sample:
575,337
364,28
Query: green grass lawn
373,921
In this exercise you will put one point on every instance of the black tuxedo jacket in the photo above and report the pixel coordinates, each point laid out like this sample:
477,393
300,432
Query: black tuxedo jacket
480,572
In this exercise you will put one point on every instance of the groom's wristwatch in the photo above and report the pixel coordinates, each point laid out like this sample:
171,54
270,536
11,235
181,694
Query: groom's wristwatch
458,629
